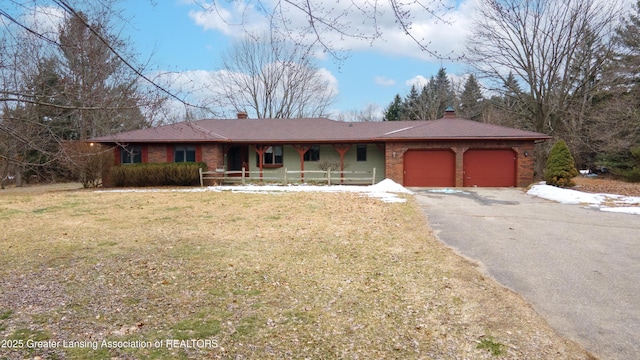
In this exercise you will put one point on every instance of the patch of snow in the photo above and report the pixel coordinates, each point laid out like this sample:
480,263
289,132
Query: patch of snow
605,202
388,185
386,190
626,210
565,196
447,191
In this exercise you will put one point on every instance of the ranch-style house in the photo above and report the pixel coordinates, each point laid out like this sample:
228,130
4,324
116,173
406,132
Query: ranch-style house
449,152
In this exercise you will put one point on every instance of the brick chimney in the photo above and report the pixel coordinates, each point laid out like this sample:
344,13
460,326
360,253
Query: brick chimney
243,115
449,113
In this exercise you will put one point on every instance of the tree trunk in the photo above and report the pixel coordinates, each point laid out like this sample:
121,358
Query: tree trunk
19,181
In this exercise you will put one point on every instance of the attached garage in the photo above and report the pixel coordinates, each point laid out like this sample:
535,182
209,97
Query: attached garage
430,168
489,167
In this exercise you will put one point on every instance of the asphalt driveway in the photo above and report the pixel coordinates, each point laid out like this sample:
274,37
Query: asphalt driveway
578,267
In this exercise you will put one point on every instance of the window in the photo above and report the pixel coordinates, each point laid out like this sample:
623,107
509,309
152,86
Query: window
313,154
184,154
361,153
130,154
272,156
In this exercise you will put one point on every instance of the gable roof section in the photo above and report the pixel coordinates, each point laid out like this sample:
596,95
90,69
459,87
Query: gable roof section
318,130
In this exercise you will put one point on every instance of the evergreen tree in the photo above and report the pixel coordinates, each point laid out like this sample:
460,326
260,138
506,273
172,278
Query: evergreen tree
628,38
444,92
98,84
428,104
561,167
394,110
439,95
430,100
410,105
512,92
471,100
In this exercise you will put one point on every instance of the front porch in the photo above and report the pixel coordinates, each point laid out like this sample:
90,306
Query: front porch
300,163
284,176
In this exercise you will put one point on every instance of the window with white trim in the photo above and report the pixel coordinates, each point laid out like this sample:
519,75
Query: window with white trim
272,156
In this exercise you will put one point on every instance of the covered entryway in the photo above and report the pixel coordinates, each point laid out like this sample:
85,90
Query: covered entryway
489,167
429,168
238,158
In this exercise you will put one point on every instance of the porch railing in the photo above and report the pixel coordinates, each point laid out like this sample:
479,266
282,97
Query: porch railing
285,176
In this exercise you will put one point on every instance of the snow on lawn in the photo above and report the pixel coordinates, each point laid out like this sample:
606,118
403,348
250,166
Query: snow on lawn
386,190
605,202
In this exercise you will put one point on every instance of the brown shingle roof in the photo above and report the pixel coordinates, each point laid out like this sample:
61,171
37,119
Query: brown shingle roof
318,130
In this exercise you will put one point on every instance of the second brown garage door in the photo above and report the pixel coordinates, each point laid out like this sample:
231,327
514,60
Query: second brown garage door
490,168
429,168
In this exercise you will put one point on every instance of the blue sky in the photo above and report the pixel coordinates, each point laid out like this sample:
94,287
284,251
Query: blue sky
180,36
183,40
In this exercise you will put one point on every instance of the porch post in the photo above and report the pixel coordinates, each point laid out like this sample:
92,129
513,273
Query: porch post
261,149
301,149
342,150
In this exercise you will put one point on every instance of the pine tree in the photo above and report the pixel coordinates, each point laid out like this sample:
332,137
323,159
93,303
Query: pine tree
394,110
95,78
410,105
471,100
512,92
439,95
561,167
444,92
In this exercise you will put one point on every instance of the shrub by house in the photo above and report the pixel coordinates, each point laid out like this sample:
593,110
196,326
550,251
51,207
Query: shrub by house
561,168
157,174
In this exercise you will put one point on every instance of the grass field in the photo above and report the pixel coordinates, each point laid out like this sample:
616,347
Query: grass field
227,275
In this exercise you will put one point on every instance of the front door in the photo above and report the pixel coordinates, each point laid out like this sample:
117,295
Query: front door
237,158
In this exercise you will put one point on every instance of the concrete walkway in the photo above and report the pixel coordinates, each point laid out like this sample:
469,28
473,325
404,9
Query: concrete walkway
578,267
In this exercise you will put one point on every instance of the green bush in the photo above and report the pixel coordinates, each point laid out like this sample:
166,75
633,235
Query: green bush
624,164
156,174
561,167
630,175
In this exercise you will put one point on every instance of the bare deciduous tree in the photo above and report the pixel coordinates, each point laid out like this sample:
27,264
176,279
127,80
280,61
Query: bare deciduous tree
542,43
370,113
556,50
272,78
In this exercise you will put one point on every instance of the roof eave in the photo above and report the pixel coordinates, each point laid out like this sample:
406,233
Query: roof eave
464,138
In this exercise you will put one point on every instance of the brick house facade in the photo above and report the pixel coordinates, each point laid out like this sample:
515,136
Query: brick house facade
473,151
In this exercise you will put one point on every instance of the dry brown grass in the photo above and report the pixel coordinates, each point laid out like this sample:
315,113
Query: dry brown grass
606,185
261,276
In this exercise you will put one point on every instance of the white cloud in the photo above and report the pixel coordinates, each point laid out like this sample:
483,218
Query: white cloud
418,81
45,20
330,80
234,20
444,36
384,81
192,87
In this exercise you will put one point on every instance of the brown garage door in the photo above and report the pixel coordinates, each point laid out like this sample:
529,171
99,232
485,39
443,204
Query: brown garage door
429,168
489,167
